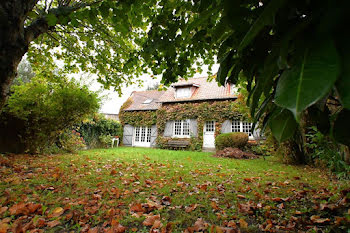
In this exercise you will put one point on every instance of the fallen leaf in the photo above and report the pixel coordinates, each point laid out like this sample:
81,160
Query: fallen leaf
149,221
137,208
241,196
214,205
4,227
56,212
199,225
243,223
93,230
166,200
190,208
18,209
318,219
53,223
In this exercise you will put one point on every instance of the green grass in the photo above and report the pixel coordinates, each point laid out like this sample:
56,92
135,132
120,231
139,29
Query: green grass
226,190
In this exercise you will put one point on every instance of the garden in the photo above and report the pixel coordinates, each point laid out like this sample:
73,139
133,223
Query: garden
153,190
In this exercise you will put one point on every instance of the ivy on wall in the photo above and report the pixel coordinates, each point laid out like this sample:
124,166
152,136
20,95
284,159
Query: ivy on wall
218,111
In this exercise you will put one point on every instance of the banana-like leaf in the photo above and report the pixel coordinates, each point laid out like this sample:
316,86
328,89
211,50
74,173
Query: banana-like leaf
343,83
266,18
310,79
283,125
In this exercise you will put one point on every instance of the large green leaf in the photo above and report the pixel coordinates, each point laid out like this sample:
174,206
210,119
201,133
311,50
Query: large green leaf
266,18
310,79
343,83
341,129
283,125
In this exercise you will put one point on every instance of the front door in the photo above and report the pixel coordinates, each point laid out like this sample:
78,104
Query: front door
142,136
209,134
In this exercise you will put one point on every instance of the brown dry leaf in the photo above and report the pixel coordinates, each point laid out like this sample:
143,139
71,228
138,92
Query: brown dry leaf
53,223
3,209
149,221
190,208
199,225
56,212
33,207
137,207
118,229
113,172
40,222
243,223
232,224
18,209
318,219
214,205
338,220
93,230
166,200
241,196
4,227
157,224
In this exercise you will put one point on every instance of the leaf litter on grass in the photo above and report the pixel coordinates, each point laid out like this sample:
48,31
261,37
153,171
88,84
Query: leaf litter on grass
101,192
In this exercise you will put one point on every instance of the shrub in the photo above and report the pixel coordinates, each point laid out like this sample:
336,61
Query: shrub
236,139
71,141
92,130
48,108
105,140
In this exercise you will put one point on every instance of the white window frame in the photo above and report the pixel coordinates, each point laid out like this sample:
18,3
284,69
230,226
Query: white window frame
142,136
182,135
186,92
242,127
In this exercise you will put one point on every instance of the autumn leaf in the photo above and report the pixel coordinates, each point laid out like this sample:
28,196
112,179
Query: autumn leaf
3,209
241,196
318,219
243,223
214,205
20,208
58,211
190,208
166,200
199,225
149,221
53,223
136,208
4,227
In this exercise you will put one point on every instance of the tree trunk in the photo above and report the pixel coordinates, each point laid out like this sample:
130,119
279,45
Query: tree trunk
12,43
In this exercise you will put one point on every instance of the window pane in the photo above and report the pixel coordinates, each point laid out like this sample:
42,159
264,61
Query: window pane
186,127
137,134
236,126
143,133
177,130
247,128
148,135
182,92
209,126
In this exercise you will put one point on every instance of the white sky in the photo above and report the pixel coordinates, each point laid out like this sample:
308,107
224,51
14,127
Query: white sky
112,102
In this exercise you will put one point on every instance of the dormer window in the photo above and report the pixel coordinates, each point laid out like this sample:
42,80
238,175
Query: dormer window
147,101
183,92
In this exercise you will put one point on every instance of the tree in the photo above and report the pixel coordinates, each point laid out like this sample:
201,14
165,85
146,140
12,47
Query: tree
24,73
97,36
47,108
294,55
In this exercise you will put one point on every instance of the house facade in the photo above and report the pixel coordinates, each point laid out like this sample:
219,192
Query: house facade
194,111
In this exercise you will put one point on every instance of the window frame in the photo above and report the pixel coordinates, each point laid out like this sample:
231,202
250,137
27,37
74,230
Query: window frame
183,88
242,127
182,123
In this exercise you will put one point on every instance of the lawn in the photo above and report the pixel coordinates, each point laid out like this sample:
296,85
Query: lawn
152,190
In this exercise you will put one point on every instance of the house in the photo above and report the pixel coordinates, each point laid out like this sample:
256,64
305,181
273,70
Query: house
112,116
192,111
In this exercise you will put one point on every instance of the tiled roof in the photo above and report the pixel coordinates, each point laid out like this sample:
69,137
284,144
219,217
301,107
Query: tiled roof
204,90
139,97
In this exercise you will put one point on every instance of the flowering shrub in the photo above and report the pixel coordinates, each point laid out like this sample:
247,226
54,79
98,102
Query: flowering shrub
71,141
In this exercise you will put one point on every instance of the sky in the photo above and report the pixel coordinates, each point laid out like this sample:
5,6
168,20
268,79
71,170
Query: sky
112,101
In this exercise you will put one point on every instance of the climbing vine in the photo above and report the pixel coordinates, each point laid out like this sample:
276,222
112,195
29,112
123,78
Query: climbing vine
138,118
218,111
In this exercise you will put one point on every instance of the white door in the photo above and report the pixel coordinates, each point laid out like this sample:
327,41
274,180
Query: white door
142,136
208,134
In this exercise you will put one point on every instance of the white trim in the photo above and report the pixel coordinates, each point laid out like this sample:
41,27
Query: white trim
242,127
181,135
144,136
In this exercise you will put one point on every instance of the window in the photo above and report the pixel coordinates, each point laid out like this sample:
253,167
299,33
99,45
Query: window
142,135
148,134
209,126
148,101
183,92
242,126
137,134
182,128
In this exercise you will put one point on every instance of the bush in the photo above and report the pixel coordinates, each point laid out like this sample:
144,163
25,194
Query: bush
96,129
48,108
71,141
236,139
105,140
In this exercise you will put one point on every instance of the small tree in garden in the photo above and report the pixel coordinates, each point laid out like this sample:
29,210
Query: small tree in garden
48,108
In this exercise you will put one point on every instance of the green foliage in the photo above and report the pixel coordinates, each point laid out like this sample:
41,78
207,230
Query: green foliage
138,118
235,139
105,140
48,108
97,128
291,53
24,73
326,153
71,141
